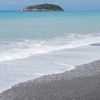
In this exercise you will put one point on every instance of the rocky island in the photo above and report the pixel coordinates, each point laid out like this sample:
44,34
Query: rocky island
44,7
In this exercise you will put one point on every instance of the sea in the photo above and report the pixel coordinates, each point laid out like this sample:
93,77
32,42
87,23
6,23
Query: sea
33,44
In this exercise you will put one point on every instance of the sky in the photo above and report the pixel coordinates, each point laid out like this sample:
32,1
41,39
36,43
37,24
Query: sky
68,5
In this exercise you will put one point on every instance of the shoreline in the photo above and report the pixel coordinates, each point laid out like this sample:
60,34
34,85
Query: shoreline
82,73
68,59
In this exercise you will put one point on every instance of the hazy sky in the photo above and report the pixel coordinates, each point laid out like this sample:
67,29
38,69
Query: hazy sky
69,5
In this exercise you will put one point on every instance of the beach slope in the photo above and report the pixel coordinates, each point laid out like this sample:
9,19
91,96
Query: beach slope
81,83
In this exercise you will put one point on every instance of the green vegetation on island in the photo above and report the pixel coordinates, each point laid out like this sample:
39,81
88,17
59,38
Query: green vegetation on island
44,7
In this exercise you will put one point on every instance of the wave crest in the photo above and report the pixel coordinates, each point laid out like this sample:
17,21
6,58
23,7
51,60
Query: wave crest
27,48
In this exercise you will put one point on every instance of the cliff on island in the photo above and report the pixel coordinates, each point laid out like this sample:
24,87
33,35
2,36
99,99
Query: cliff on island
44,7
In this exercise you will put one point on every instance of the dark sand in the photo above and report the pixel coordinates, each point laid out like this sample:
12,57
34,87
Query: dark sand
81,83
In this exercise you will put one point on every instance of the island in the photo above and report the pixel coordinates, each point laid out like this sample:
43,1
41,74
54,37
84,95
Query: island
44,7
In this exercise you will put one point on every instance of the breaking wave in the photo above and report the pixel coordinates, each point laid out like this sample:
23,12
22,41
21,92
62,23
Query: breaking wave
27,48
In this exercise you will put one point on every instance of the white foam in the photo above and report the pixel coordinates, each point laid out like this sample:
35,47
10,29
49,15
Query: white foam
27,48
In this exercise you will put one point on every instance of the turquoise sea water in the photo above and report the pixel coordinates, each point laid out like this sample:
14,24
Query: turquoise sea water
36,25
37,43
27,33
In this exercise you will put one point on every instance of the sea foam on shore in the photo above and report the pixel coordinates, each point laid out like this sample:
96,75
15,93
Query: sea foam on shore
80,83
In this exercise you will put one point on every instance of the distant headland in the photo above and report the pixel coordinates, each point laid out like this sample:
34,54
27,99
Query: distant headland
44,7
